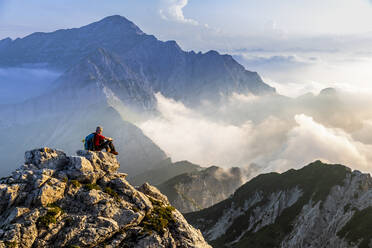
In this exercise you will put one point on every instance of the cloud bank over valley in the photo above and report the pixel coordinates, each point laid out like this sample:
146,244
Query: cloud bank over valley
267,134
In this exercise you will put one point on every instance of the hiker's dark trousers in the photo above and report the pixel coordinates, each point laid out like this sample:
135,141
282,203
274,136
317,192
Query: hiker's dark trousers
106,144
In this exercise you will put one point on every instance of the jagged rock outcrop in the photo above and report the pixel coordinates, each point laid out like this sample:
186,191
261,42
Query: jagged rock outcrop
201,189
55,200
317,206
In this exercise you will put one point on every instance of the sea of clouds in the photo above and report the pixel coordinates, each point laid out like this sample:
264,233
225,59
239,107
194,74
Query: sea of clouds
267,133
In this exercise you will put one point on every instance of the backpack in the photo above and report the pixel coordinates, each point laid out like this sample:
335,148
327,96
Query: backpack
89,142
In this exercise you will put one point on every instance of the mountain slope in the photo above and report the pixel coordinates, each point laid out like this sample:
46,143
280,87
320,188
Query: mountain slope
99,79
66,47
55,200
97,91
201,189
107,73
316,206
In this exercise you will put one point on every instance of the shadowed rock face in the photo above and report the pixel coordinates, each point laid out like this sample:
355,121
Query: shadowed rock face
55,200
201,189
320,205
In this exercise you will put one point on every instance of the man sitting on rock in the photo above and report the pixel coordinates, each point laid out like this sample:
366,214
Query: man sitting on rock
101,142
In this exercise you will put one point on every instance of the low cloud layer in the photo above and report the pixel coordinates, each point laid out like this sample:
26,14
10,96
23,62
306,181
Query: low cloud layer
309,140
19,84
268,134
298,72
186,134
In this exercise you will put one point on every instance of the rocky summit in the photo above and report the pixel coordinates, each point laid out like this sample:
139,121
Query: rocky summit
55,200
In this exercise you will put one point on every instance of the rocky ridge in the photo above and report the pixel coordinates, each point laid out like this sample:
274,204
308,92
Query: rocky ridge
55,200
320,205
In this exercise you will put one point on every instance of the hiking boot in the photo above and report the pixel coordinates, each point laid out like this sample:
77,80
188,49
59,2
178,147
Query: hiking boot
108,149
115,152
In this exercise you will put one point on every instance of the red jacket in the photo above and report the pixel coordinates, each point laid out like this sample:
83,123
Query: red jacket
98,139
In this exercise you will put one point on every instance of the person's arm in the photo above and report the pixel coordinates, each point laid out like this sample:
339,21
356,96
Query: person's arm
104,138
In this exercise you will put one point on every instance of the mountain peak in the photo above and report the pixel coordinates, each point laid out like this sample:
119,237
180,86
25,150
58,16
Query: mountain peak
328,91
7,39
5,42
116,17
117,21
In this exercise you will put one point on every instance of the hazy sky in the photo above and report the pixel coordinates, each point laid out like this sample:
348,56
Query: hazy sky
283,19
236,17
296,45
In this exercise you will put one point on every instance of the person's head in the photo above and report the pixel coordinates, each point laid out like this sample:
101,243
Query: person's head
99,130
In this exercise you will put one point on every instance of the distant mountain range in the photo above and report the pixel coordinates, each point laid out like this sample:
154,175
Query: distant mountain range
115,51
320,205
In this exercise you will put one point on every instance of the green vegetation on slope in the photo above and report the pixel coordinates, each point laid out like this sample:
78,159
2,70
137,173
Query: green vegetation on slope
315,179
159,218
76,183
10,244
359,227
50,217
112,193
91,186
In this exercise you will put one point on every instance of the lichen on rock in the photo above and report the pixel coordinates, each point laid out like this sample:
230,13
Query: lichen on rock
55,200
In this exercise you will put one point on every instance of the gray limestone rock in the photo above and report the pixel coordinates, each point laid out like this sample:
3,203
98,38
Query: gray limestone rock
55,200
